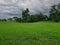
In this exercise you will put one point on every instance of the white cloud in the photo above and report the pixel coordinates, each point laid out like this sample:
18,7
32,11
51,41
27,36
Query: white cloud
16,6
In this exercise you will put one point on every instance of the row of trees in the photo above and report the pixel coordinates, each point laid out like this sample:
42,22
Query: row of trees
26,17
53,16
3,19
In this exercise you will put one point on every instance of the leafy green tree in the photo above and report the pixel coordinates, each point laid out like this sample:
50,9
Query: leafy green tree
58,6
0,19
9,19
33,18
38,17
3,20
41,17
25,15
18,20
45,18
55,13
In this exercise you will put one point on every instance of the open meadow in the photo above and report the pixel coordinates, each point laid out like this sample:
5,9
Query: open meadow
38,33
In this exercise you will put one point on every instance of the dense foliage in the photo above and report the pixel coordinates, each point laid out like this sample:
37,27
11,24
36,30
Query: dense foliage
55,13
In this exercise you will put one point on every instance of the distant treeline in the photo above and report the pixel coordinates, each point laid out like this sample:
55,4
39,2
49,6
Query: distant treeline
54,15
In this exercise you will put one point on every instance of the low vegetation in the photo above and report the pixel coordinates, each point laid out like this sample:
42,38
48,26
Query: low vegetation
39,33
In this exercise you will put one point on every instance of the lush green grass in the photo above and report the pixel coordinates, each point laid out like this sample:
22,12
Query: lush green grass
40,33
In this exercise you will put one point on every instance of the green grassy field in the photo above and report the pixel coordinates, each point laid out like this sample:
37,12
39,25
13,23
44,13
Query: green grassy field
39,33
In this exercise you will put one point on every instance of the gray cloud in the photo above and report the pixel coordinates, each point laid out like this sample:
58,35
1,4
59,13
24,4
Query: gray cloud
10,8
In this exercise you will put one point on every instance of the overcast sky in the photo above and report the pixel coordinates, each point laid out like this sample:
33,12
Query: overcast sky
10,8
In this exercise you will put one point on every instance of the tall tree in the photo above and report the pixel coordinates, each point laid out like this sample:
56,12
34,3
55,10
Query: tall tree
25,15
54,13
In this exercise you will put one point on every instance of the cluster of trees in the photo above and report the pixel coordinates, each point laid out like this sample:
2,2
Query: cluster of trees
55,13
26,17
53,16
3,19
